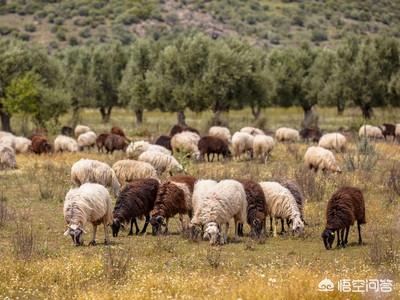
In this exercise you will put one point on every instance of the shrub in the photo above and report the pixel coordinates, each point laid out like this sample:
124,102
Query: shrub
115,264
3,210
85,33
30,27
318,36
24,36
298,21
53,45
313,185
61,36
23,240
5,30
41,14
393,181
73,41
81,22
59,21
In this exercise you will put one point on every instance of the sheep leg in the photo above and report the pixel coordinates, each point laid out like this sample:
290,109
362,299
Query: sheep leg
226,232
338,239
166,226
240,229
274,225
146,223
270,224
236,229
347,234
359,233
93,241
106,240
283,226
182,222
342,237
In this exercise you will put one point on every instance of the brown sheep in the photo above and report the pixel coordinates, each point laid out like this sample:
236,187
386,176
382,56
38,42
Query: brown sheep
115,142
164,141
388,130
100,141
135,200
174,197
118,131
345,206
311,133
40,145
256,207
213,145
179,128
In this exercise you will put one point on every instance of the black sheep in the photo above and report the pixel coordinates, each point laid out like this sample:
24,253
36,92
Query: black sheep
179,128
68,131
388,130
213,145
135,200
345,206
165,141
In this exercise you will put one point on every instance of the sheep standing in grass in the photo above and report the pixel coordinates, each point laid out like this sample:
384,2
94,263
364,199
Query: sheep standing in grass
127,170
174,197
100,141
262,146
333,141
200,190
186,141
225,201
65,143
79,129
369,131
92,203
388,130
179,128
242,142
8,140
87,140
7,158
164,141
220,132
281,205
137,148
88,170
22,144
213,145
161,162
318,158
115,142
344,208
285,134
135,200
40,145
252,130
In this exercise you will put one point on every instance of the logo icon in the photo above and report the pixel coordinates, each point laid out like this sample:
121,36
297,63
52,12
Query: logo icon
326,285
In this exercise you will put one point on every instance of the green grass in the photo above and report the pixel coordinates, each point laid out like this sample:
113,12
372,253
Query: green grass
284,267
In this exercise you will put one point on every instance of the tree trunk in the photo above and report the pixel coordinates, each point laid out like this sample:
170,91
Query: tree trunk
256,111
310,118
340,109
75,116
105,114
181,118
5,121
367,112
139,116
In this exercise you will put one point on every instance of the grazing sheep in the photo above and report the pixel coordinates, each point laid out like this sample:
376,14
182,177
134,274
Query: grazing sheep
213,145
40,145
165,141
313,134
118,131
242,142
5,133
333,141
92,203
226,200
369,131
220,132
65,143
88,170
186,141
174,197
8,140
252,130
179,128
100,141
285,134
319,158
7,158
79,129
281,205
262,146
127,170
344,207
161,162
66,130
87,139
137,148
115,142
22,144
135,200
200,190
256,207
388,130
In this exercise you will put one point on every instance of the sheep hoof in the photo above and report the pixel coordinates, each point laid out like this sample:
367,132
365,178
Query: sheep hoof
92,243
130,233
106,242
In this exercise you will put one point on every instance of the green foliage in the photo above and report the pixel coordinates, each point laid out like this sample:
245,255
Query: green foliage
30,27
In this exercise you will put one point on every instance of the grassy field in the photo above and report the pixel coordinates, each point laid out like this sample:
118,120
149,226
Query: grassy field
38,261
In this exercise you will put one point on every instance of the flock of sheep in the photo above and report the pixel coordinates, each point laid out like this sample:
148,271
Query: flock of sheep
204,206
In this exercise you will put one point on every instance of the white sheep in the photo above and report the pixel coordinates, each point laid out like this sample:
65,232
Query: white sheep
127,170
5,133
65,143
226,200
319,158
161,162
262,146
87,139
22,144
79,129
7,158
333,141
242,142
137,148
92,203
281,205
252,130
8,140
186,141
285,134
220,132
369,131
200,191
88,170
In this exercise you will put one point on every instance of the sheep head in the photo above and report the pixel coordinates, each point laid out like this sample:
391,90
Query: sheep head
76,233
256,227
116,226
212,233
157,222
195,231
297,226
328,236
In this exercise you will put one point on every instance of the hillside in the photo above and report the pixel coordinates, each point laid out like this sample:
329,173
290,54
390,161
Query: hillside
270,23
